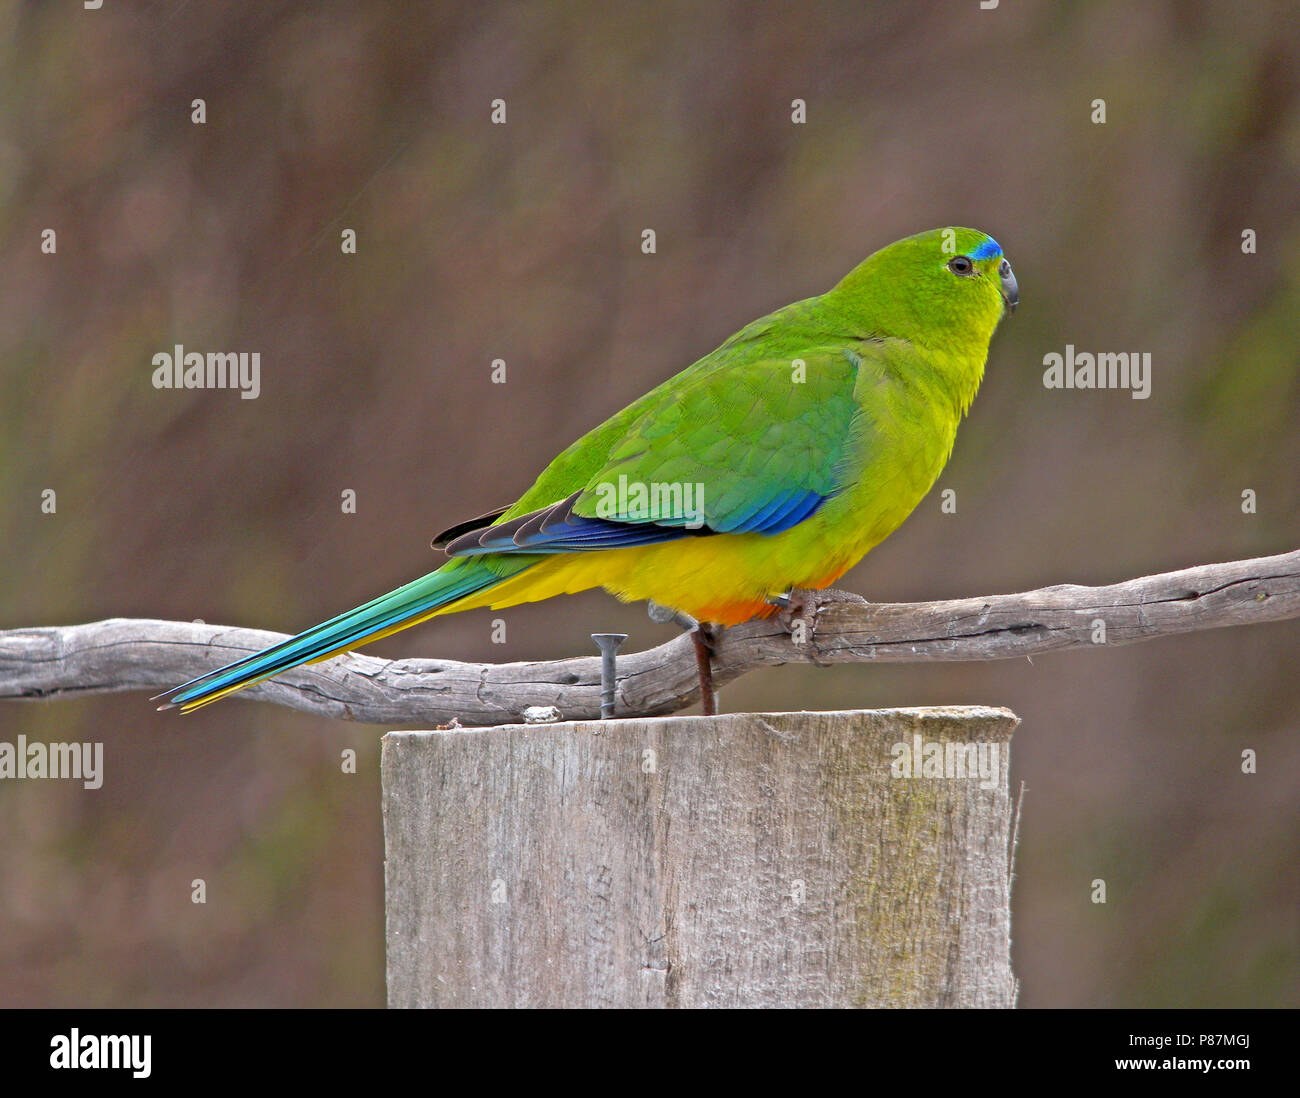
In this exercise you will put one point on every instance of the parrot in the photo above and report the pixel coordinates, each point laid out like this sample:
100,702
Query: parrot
766,469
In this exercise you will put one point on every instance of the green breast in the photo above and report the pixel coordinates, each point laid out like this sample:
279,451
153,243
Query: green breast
911,402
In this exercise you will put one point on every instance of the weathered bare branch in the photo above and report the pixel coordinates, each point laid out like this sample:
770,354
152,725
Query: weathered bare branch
141,654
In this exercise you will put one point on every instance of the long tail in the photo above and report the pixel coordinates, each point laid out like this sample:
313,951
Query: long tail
408,605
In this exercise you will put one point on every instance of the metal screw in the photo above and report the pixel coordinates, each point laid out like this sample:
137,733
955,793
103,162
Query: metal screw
608,643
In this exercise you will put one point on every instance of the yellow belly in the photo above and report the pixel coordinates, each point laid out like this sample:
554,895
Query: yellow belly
717,579
723,578
729,578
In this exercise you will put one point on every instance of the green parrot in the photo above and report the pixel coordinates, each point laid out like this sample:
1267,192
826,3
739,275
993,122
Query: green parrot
771,465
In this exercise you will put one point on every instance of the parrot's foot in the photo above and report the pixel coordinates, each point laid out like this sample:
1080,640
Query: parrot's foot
706,640
662,615
801,608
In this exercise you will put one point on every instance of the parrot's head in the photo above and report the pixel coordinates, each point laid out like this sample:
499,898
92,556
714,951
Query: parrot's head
945,284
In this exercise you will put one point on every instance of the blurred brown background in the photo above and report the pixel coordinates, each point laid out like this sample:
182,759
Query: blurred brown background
521,242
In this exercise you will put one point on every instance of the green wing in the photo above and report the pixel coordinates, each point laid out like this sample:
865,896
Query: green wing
742,442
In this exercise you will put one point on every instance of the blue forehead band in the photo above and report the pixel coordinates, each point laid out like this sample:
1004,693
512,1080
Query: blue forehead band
990,247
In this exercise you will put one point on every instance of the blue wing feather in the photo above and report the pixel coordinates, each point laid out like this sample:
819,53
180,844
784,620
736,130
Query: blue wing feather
577,534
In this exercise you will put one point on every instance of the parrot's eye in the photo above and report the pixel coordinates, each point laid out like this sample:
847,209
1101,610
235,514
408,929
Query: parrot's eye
961,265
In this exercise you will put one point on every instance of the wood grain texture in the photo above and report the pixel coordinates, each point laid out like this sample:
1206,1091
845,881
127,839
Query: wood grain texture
748,860
131,654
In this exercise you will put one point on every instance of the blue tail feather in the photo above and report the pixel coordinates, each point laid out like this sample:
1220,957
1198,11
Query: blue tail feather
403,604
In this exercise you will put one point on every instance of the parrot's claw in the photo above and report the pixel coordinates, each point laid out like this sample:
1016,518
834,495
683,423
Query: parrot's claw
801,609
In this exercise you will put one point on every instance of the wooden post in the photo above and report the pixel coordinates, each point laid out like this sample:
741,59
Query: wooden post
744,860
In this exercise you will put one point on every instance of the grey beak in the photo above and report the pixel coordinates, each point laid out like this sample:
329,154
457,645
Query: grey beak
1010,288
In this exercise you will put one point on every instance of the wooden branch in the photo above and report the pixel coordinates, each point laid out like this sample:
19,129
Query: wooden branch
141,654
